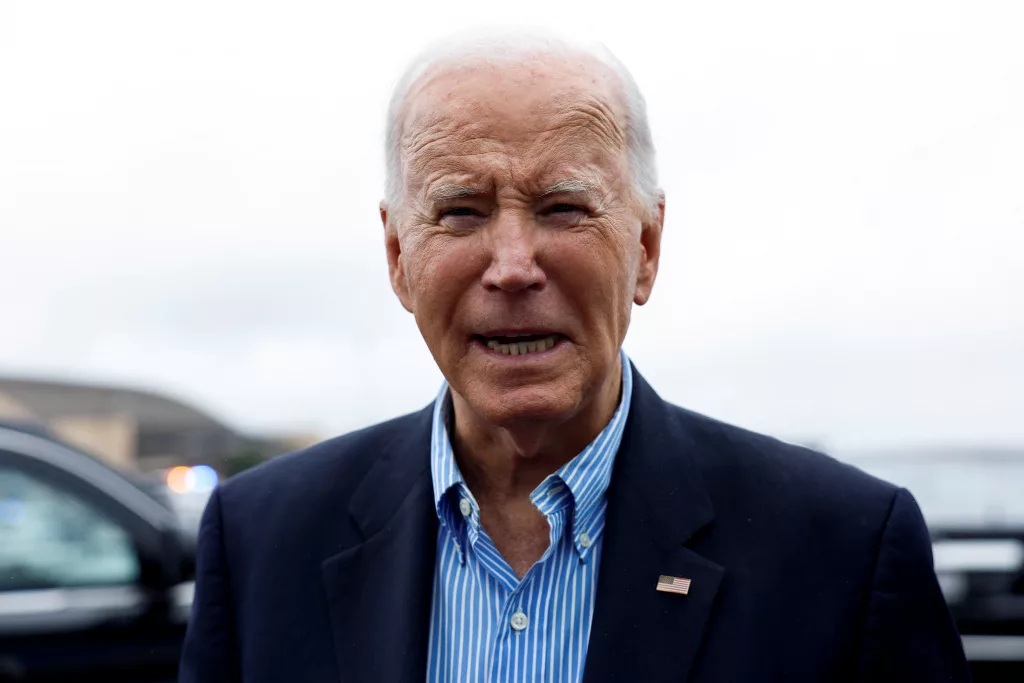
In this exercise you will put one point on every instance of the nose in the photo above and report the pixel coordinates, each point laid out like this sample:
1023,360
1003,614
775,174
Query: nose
513,266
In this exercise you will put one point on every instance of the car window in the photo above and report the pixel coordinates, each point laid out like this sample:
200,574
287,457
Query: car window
50,539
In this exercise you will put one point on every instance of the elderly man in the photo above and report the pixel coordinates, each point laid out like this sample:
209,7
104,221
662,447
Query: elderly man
549,517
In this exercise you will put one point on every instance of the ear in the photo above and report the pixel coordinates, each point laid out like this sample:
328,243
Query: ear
650,252
396,268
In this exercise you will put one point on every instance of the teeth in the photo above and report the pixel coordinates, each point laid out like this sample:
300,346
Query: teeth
523,348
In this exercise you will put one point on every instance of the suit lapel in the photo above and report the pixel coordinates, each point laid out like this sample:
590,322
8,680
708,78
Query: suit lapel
656,503
379,592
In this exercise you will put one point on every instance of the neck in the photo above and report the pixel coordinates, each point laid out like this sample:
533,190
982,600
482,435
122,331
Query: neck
511,461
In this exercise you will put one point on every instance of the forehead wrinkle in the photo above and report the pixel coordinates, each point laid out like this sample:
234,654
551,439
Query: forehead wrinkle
414,143
572,127
453,175
458,171
431,136
465,122
588,118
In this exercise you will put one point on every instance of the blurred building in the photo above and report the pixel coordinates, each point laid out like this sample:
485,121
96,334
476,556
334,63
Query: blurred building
133,428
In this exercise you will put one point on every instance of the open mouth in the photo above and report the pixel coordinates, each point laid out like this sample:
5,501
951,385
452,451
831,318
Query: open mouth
520,344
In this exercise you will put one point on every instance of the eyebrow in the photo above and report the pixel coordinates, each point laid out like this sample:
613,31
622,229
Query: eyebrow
569,186
453,191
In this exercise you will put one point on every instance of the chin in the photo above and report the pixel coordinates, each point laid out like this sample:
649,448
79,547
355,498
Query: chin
532,403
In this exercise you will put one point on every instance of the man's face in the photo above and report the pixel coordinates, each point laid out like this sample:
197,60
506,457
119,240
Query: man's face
519,244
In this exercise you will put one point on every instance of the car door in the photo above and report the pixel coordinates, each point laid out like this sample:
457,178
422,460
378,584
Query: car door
88,569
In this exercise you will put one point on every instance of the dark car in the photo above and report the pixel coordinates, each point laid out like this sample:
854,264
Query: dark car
95,573
973,502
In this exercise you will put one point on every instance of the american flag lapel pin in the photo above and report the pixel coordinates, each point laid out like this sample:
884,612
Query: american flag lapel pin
673,584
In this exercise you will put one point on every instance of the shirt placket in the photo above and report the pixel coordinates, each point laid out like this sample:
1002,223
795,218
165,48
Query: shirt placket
508,649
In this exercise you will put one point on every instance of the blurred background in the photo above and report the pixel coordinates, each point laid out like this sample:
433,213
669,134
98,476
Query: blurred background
192,277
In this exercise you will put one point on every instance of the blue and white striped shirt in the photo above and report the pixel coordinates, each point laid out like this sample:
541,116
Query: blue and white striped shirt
486,625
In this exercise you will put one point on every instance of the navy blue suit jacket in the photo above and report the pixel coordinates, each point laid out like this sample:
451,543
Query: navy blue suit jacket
318,566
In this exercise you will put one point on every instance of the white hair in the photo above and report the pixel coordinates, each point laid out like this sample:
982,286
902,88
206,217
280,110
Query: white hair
516,47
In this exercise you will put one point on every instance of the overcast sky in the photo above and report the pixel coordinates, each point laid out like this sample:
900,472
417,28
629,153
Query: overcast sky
188,202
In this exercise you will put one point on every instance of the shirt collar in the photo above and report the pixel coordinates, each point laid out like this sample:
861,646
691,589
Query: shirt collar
586,476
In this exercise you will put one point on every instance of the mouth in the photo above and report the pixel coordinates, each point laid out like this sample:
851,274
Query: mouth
519,344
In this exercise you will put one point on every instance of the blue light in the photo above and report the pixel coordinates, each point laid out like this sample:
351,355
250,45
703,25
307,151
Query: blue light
205,478
12,511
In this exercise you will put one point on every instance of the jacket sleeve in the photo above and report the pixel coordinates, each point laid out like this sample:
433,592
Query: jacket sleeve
909,634
209,654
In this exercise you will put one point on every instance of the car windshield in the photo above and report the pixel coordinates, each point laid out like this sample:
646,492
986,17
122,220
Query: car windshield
958,493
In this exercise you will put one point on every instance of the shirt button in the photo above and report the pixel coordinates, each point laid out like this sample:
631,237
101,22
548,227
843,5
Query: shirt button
585,540
519,621
466,507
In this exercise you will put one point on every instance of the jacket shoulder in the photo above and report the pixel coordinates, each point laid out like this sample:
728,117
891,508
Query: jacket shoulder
782,477
331,468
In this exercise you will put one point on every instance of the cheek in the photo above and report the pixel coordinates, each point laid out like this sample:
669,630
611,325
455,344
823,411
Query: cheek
593,277
593,268
440,271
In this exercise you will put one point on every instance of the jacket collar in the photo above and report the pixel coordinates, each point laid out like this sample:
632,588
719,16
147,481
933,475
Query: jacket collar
656,468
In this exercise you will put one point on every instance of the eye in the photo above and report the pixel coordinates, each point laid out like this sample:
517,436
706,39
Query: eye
459,211
565,208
